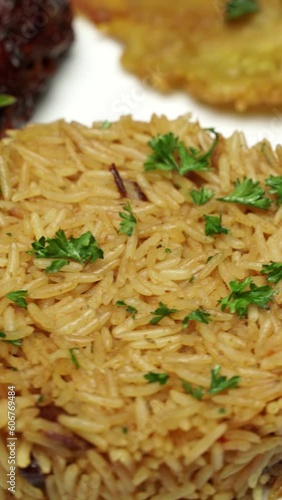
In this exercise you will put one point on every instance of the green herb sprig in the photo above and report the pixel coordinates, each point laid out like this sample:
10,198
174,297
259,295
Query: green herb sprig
275,183
196,392
73,356
153,377
106,124
202,196
248,192
18,297
160,313
197,315
83,249
128,222
169,153
15,342
6,100
219,383
239,299
130,309
213,225
236,9
273,271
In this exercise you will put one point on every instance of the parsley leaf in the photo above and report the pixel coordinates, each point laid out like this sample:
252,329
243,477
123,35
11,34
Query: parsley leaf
6,100
128,223
160,313
239,299
73,356
169,153
130,309
273,271
40,399
238,8
221,383
213,225
18,297
106,124
248,192
197,315
222,411
16,342
152,377
196,392
163,156
193,159
83,249
56,265
202,196
275,182
120,303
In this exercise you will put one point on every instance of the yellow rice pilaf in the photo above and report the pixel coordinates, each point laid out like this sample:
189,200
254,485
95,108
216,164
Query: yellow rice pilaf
87,418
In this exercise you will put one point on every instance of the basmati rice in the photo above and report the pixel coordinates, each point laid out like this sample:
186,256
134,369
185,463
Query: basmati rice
85,414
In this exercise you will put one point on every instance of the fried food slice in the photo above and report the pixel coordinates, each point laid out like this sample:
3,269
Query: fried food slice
190,45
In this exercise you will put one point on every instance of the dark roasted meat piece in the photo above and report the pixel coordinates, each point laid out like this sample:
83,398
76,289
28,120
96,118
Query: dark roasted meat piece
34,34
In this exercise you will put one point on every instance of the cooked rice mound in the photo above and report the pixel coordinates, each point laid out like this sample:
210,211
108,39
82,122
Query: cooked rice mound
86,417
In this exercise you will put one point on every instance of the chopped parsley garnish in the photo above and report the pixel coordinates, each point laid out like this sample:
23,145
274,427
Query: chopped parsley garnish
73,356
40,399
273,271
239,299
219,383
202,196
16,342
130,309
167,250
128,220
83,249
213,225
169,153
6,100
275,182
106,124
248,192
160,313
196,392
238,8
152,377
164,151
18,297
56,265
197,315
124,430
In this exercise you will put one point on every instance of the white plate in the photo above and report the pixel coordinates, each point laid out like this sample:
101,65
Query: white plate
90,85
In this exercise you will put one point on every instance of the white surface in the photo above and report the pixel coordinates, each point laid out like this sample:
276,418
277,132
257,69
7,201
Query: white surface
91,85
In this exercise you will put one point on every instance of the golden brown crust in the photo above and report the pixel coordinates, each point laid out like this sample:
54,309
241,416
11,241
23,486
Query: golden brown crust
191,46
